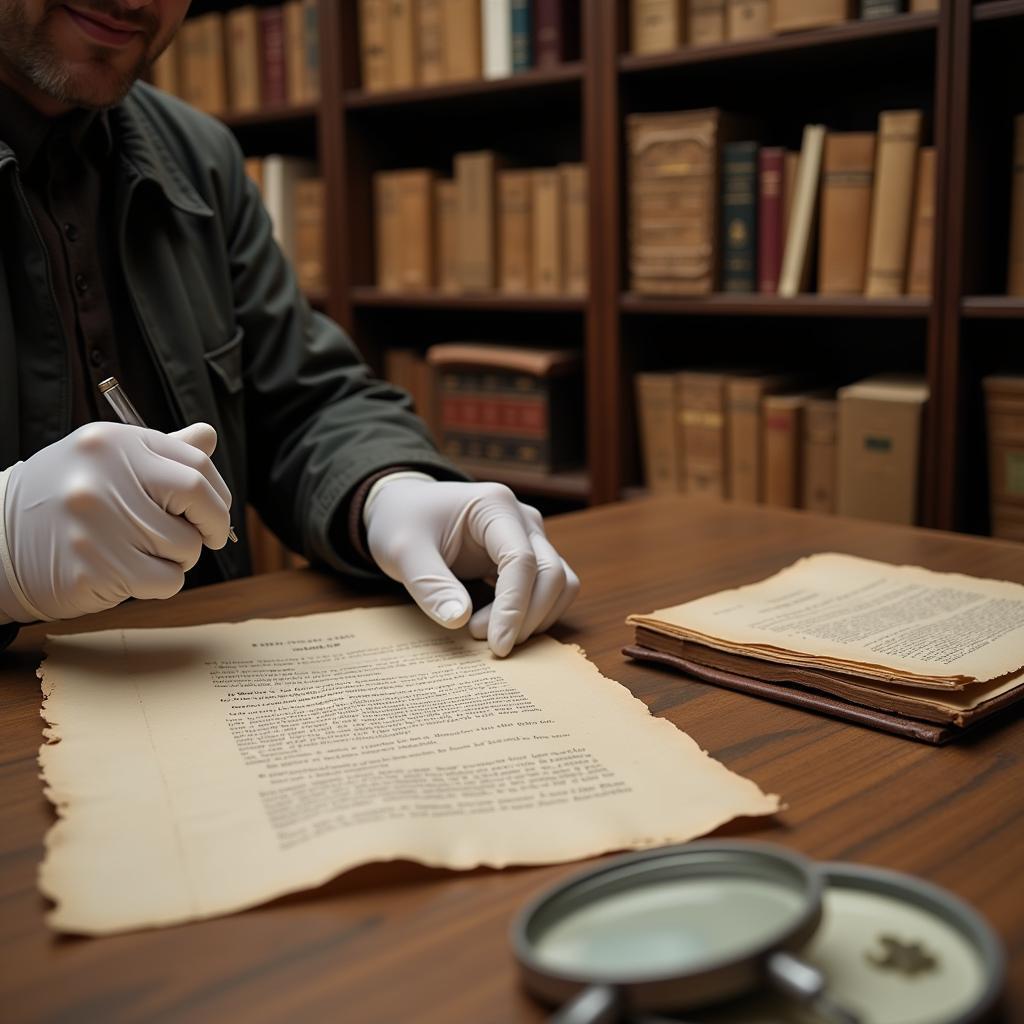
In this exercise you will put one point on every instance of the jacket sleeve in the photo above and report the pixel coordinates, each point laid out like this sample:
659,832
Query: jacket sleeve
317,422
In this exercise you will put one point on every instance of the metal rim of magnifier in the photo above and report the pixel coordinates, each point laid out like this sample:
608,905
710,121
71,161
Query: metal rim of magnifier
719,980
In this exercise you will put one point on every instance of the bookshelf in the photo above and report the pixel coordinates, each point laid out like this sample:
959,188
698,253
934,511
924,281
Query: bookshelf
956,64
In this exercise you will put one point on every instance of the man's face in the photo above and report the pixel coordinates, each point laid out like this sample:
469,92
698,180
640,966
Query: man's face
83,53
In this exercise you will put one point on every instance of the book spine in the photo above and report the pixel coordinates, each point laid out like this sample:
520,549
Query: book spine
475,181
375,48
497,38
656,26
702,416
548,231
748,19
782,434
847,179
242,25
402,39
311,57
556,32
388,231
899,135
295,50
275,76
309,235
1015,277
516,221
522,35
870,9
739,217
463,59
819,457
924,5
770,233
706,22
167,69
743,403
496,416
796,257
516,453
431,42
415,196
922,238
655,399
446,222
576,274
797,15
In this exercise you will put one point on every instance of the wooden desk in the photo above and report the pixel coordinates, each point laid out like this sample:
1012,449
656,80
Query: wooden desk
400,943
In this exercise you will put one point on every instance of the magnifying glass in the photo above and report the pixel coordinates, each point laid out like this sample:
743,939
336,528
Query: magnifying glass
674,929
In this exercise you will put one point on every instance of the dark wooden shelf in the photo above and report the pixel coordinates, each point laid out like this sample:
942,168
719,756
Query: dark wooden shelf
366,296
723,304
995,9
477,89
318,300
835,35
993,307
273,116
569,486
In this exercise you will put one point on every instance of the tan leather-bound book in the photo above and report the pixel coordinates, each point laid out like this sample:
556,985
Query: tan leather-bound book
744,394
797,15
167,71
782,425
515,232
295,50
387,230
821,417
475,180
463,58
548,233
705,22
922,235
402,40
577,253
430,26
892,202
748,19
310,219
656,413
375,44
243,30
849,167
1015,277
1004,414
203,64
415,190
701,411
796,255
657,25
254,170
446,229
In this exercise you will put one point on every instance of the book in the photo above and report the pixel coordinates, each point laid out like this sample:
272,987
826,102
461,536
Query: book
515,233
1004,416
557,25
463,58
796,258
281,175
770,214
295,50
402,43
167,69
430,53
656,414
547,231
922,233
744,394
475,184
705,22
821,417
375,45
273,58
797,15
1015,275
790,163
522,35
497,38
701,412
782,426
387,231
879,448
739,217
414,193
892,647
311,63
748,19
446,235
656,26
254,171
310,220
924,5
870,9
204,82
899,137
242,25
576,273
847,178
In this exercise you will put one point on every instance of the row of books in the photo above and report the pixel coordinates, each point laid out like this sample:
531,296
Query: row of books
711,210
247,60
661,25
293,194
405,43
521,230
756,437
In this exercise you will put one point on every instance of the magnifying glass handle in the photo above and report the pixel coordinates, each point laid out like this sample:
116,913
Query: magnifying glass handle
598,1004
801,981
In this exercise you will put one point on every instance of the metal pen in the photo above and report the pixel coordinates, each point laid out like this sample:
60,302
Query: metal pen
127,413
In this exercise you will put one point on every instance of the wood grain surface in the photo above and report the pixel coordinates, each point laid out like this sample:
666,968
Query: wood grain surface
401,943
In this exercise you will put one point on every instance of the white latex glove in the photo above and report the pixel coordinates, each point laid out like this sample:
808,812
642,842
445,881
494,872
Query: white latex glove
106,513
424,533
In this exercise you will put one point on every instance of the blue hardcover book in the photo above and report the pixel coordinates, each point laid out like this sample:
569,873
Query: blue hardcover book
522,35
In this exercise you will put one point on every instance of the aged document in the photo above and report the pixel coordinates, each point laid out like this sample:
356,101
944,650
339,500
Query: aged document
202,770
889,623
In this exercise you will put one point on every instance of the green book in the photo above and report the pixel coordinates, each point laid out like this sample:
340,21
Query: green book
739,217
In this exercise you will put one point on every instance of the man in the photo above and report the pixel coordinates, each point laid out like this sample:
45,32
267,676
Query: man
133,246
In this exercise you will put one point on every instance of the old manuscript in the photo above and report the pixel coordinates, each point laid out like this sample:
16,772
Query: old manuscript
202,770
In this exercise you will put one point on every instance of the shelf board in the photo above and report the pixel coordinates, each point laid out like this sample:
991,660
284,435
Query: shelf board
993,307
273,116
834,35
992,10
570,485
475,89
727,304
497,301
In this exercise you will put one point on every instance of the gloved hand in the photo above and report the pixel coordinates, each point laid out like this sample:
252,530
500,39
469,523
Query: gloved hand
424,533
108,512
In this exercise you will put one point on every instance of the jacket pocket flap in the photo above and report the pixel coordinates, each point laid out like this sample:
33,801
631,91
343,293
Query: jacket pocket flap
226,362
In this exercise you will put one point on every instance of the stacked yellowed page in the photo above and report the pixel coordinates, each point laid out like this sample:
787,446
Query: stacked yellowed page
206,769
944,647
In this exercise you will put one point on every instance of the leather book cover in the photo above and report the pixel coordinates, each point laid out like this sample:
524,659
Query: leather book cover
415,195
1004,415
203,63
797,15
462,40
922,235
899,138
870,9
430,26
577,253
770,224
548,231
1015,279
254,171
515,230
274,73
311,57
782,426
744,394
557,32
701,413
656,412
374,45
167,69
821,417
496,39
739,217
705,22
847,178
244,55
522,35
796,257
402,40
387,230
446,231
309,235
295,50
475,182
657,25
748,19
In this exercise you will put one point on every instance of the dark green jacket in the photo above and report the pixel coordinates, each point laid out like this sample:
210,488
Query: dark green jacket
300,421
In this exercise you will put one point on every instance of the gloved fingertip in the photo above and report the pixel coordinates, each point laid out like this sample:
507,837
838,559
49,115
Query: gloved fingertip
452,614
502,644
199,435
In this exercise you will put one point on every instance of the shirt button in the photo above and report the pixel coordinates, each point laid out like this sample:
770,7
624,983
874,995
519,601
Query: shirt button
81,284
96,357
71,232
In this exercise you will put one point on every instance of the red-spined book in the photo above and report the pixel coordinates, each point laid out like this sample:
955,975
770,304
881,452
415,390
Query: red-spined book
274,74
771,232
557,29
